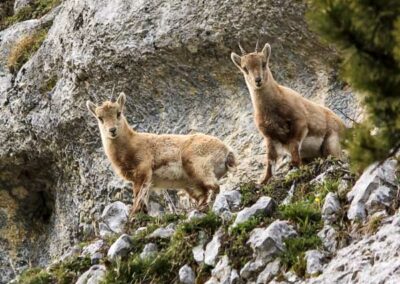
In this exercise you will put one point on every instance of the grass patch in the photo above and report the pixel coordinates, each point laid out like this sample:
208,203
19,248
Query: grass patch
35,276
24,49
34,11
279,185
306,217
62,273
69,271
164,267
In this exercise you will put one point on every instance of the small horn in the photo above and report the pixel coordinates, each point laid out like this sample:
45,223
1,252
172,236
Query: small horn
112,99
242,49
257,45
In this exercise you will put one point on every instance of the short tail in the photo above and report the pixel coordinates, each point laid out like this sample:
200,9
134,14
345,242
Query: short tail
230,162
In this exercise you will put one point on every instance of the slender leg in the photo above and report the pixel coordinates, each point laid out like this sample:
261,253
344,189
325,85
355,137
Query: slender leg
141,187
295,144
270,161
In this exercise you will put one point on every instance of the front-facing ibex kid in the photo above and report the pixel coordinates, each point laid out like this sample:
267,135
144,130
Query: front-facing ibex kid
287,121
194,163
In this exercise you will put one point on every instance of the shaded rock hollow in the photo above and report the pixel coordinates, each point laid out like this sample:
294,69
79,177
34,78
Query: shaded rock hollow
172,59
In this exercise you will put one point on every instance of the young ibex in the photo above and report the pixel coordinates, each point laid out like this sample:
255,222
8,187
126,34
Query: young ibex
194,163
288,121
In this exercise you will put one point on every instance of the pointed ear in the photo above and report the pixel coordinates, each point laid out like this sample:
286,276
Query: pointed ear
121,100
267,51
237,60
91,107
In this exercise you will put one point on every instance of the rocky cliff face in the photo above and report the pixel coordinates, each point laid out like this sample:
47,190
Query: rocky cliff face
172,60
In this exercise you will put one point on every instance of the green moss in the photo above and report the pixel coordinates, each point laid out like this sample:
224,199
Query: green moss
48,85
34,11
63,273
69,271
24,50
35,276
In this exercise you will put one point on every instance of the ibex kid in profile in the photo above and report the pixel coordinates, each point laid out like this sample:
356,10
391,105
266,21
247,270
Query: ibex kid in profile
287,121
194,163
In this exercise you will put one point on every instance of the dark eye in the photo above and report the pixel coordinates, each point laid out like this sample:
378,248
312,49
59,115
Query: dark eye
118,114
101,119
245,70
264,65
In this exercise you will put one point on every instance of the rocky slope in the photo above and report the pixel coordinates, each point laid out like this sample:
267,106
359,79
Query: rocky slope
172,59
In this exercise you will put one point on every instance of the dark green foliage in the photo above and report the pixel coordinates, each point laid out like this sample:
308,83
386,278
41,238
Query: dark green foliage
367,34
34,11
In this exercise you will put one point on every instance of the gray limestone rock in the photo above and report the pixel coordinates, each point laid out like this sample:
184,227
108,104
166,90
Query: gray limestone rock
120,247
265,206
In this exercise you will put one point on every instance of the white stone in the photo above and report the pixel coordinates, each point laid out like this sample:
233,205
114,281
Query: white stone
115,216
331,207
149,251
269,272
315,261
120,247
195,214
94,275
186,275
264,206
369,181
222,271
329,236
268,242
162,233
380,198
212,248
198,253
251,268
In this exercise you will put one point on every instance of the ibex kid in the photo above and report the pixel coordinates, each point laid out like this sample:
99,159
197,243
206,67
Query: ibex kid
194,163
287,121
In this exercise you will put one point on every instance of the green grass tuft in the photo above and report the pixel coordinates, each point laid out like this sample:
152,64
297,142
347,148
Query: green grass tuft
35,276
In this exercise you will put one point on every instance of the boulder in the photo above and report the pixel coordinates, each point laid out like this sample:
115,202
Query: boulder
329,237
331,207
315,262
264,206
115,216
120,247
186,275
163,233
252,268
267,242
373,177
94,275
195,214
269,272
380,199
149,251
212,248
94,250
227,201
